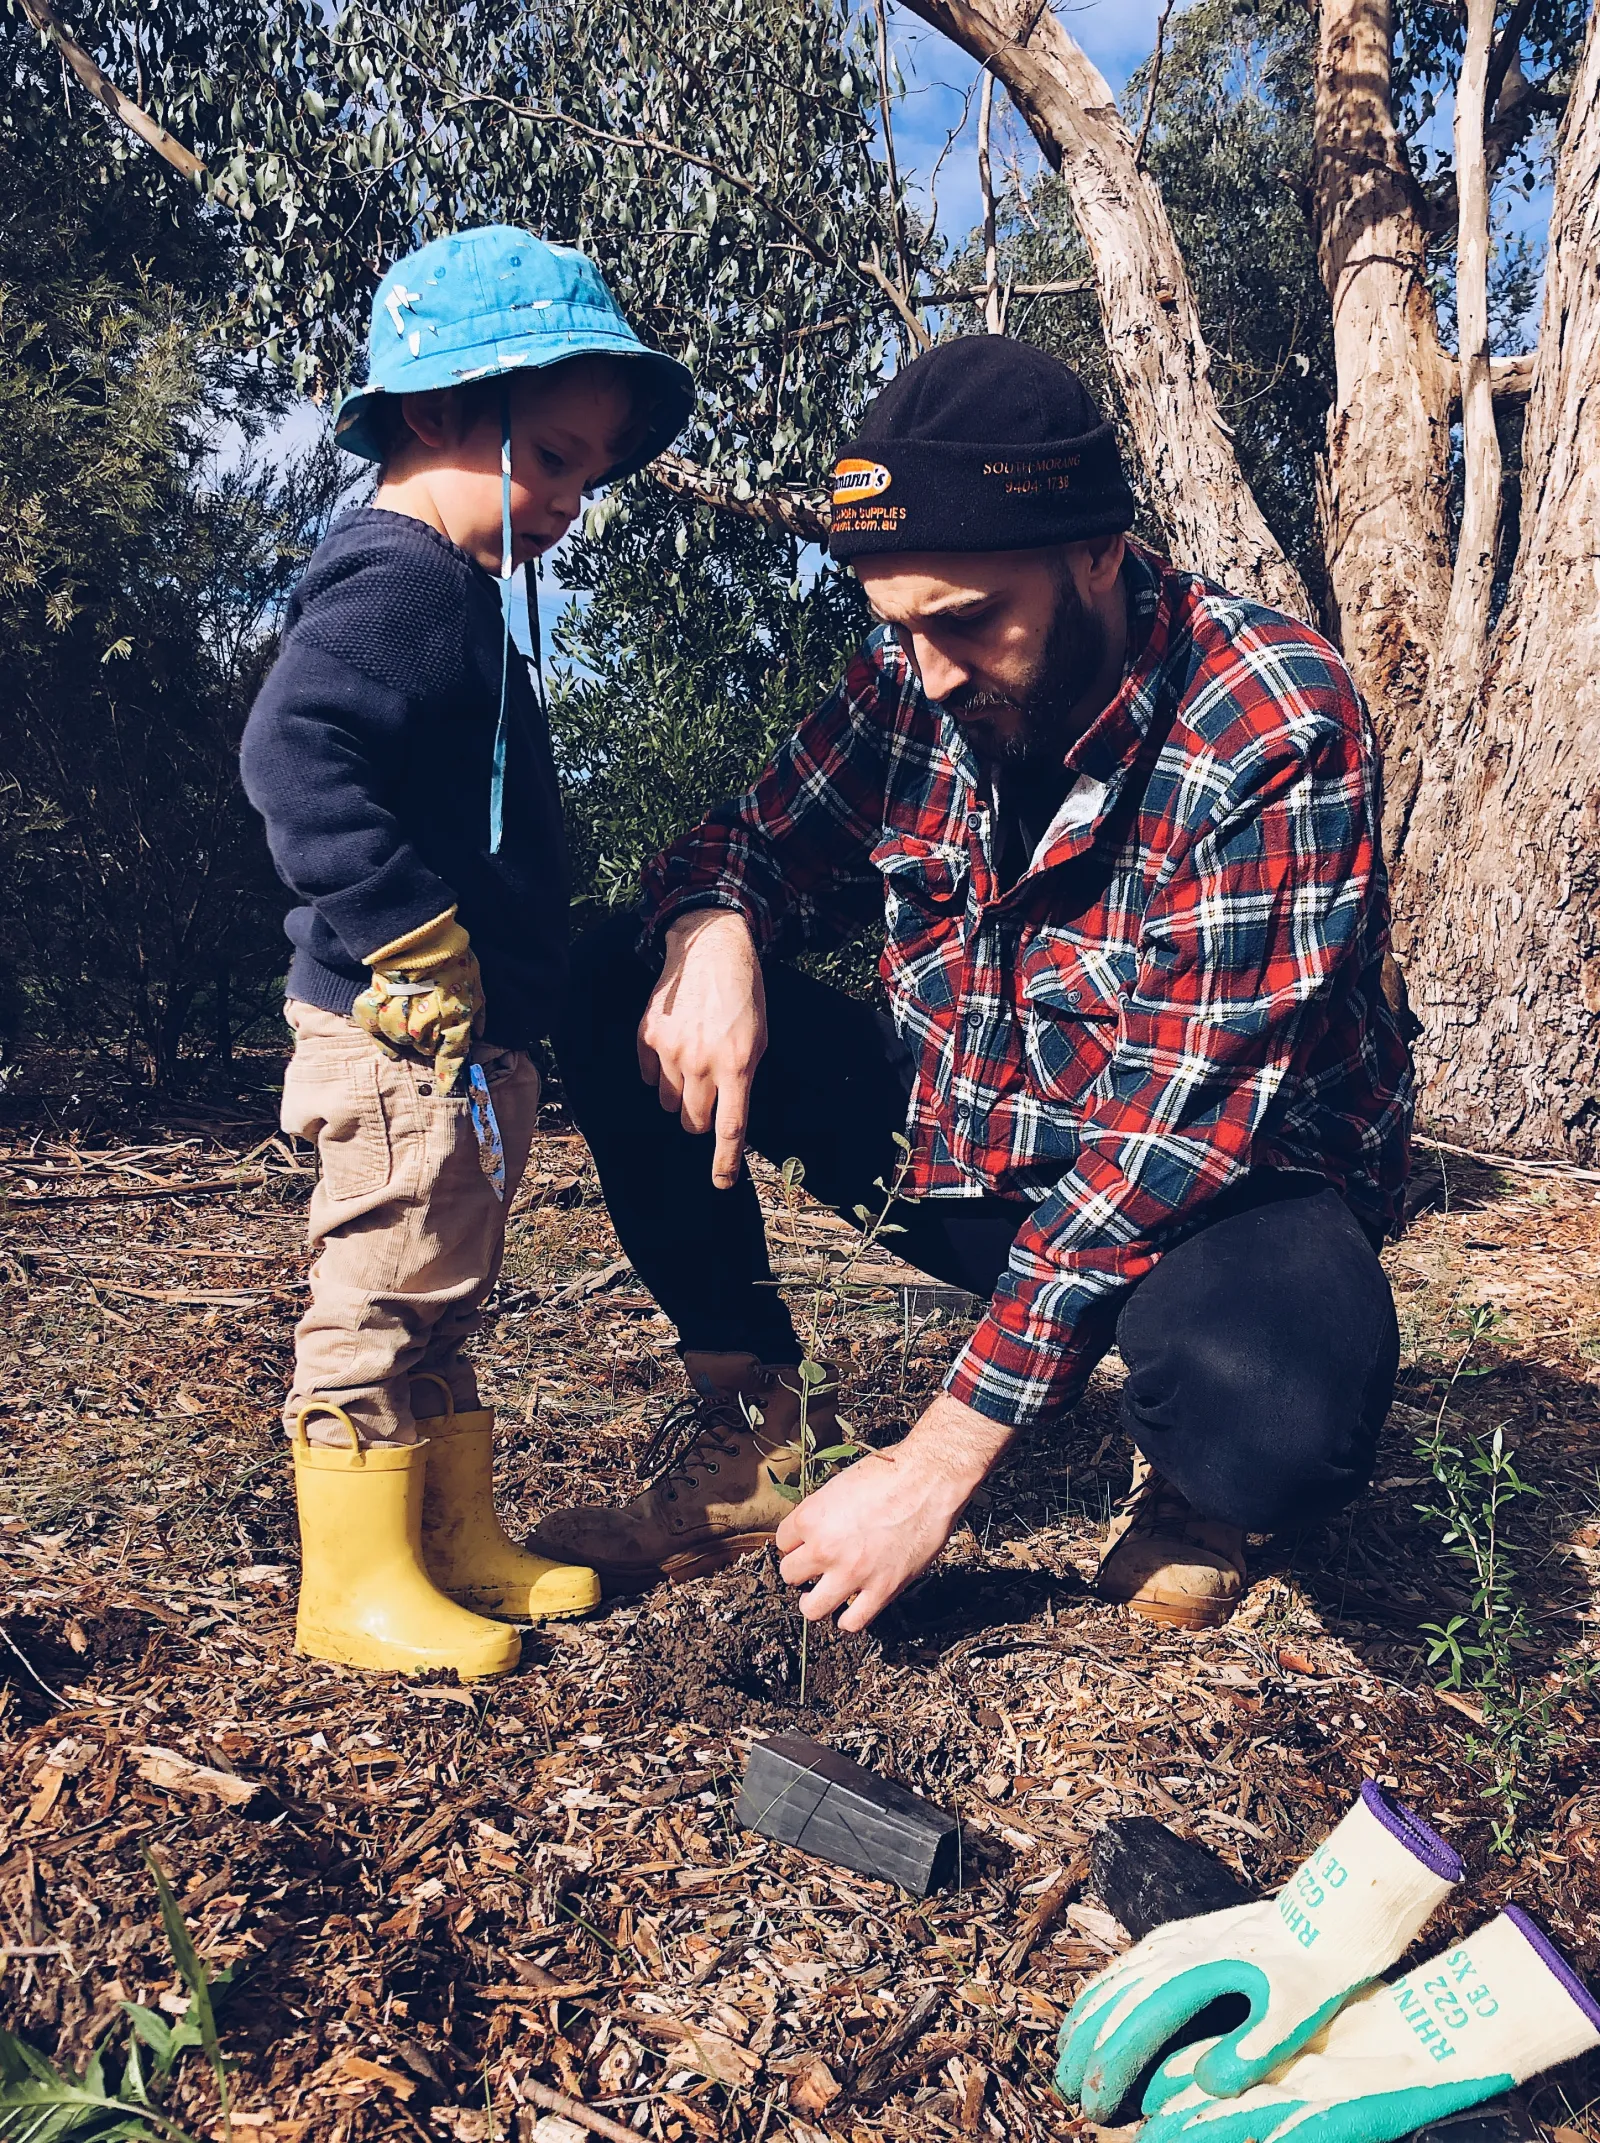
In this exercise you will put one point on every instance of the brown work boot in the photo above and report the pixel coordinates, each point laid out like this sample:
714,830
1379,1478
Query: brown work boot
712,1471
1167,1563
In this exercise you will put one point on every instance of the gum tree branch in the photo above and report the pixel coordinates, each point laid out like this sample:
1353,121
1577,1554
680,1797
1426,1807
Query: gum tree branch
1153,336
797,511
100,86
1472,581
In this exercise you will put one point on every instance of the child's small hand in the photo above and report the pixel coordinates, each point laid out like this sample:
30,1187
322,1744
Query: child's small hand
425,997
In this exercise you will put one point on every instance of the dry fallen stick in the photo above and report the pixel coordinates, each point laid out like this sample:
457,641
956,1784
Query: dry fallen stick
1045,1914
1569,1169
598,2124
179,1774
236,1298
531,1992
177,1190
591,1283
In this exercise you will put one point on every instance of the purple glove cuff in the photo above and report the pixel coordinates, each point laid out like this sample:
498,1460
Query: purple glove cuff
1428,1847
1551,1956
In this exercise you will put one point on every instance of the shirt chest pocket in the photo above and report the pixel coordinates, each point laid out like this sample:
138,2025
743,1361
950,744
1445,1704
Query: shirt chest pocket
924,895
1073,997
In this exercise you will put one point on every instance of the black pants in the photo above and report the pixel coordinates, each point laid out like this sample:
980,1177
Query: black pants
1261,1351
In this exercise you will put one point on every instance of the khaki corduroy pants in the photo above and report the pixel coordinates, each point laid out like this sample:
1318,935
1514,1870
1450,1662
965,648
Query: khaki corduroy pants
406,1228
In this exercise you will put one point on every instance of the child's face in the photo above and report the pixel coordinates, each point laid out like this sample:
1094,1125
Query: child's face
567,432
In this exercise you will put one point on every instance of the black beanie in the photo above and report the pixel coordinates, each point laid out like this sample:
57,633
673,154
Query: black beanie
982,444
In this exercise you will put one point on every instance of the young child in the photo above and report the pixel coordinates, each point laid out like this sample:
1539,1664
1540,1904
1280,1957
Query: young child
401,759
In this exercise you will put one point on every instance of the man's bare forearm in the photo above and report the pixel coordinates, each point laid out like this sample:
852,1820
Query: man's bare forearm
955,1441
682,931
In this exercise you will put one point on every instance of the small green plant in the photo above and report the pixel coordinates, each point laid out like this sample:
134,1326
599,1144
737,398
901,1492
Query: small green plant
1477,1484
828,1300
198,2025
40,2103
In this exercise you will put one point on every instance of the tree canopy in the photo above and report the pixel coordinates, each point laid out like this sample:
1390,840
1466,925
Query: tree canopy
720,165
137,583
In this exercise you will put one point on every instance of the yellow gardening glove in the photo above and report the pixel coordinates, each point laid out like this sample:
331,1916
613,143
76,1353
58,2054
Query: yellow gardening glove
425,997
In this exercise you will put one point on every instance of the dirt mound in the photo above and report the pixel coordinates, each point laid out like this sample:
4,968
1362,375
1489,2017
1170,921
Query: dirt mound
727,1650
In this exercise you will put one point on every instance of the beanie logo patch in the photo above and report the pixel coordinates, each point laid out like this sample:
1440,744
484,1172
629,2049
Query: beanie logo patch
859,480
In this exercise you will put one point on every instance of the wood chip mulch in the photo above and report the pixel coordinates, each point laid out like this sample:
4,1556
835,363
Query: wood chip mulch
453,1908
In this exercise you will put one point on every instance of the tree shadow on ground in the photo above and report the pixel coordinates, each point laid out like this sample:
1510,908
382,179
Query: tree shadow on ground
1380,1570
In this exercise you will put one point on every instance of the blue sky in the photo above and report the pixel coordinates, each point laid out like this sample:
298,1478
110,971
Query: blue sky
1116,34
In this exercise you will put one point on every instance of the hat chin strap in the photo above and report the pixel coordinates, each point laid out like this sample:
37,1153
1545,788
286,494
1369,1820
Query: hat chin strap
507,598
497,783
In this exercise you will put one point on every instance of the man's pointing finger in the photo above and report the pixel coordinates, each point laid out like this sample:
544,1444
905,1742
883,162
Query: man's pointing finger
733,1116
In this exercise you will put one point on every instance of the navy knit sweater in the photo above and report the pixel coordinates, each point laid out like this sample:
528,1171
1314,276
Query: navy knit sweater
369,753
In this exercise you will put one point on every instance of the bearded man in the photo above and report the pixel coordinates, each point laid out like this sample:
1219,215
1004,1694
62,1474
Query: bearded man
1123,829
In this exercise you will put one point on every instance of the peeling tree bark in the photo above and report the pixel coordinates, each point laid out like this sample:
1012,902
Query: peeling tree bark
1152,324
1467,619
1504,922
1385,481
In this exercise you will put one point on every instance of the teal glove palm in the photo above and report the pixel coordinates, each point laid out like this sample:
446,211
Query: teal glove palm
1344,1916
1489,2013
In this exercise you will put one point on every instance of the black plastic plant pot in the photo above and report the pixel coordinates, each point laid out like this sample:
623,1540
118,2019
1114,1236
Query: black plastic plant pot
806,1795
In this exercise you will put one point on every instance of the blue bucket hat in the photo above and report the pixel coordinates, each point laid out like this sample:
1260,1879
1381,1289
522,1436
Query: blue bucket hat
486,303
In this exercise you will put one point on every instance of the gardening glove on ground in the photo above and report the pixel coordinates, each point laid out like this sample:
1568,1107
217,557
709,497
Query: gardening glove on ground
425,997
1486,2014
1347,1913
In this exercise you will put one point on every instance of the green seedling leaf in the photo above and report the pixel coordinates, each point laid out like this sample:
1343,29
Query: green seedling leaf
902,1141
40,2103
793,1172
156,2033
785,1489
134,2088
196,1978
812,1374
836,1454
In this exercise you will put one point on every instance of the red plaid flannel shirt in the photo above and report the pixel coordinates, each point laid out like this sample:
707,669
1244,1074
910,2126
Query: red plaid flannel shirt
1183,987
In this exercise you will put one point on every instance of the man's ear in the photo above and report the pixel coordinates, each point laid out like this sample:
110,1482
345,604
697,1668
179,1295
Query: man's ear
1105,555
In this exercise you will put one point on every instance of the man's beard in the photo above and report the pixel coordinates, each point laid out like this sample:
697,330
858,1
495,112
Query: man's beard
1068,664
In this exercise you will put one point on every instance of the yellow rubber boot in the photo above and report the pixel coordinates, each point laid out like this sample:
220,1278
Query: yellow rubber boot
465,1547
365,1598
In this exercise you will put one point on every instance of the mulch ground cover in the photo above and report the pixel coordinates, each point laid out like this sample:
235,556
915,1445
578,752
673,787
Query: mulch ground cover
450,1907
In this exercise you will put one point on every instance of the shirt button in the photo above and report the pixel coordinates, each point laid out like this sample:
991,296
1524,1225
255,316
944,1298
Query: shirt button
1074,997
423,1087
975,820
974,1021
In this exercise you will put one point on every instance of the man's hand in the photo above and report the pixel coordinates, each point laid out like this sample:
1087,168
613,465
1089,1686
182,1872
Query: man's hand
868,1533
704,1031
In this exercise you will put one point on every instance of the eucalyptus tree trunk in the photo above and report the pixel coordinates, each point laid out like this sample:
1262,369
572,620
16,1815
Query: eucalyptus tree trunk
1501,873
1152,324
1385,481
1492,742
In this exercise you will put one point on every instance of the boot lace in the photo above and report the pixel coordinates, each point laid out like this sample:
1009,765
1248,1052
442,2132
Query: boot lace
696,1424
1153,1505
